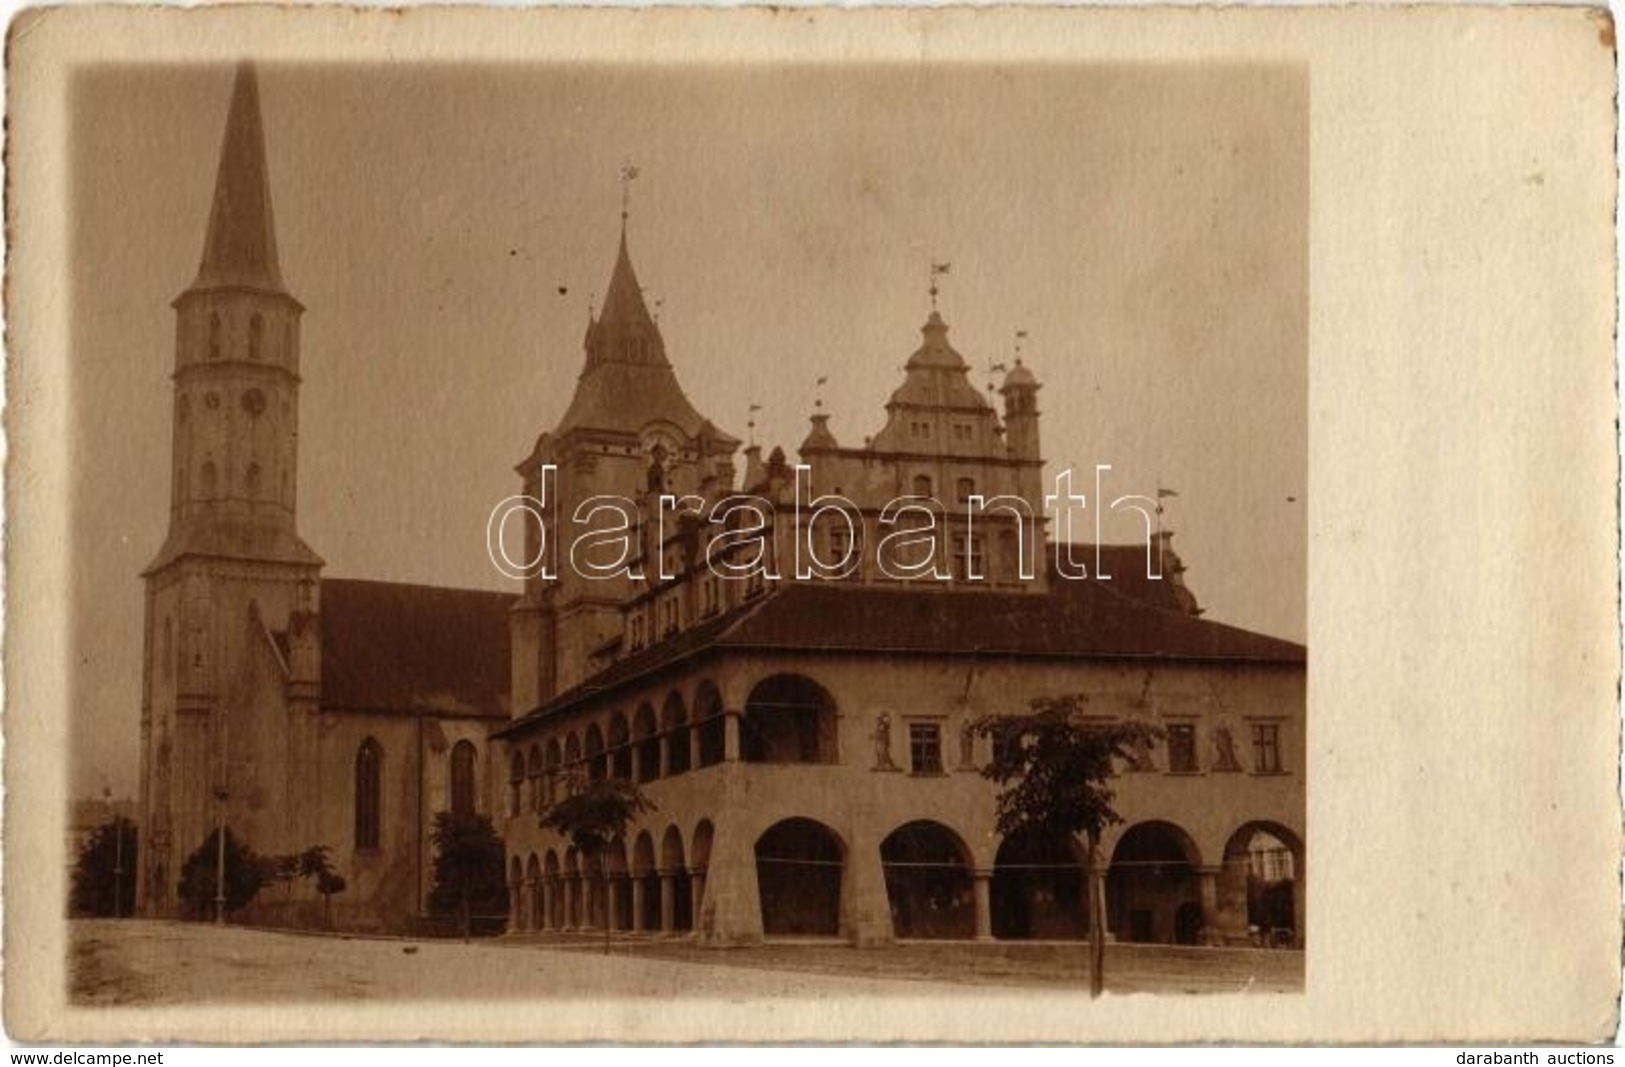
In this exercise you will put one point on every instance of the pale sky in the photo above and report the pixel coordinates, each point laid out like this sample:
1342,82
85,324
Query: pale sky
1147,225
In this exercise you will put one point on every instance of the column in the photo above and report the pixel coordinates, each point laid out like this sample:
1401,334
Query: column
549,889
1208,880
663,769
696,895
693,735
668,902
984,905
730,736
636,752
516,910
638,904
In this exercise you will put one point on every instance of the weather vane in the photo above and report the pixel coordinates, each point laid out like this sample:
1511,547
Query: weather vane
750,421
818,392
937,271
628,173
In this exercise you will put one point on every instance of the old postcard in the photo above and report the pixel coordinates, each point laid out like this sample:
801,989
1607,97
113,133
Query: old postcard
1083,525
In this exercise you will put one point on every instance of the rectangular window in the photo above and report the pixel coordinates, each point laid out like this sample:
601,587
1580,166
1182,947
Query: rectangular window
925,747
1182,748
1266,748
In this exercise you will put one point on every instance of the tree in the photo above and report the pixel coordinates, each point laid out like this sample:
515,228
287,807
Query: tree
468,868
246,875
596,816
1053,767
104,874
314,863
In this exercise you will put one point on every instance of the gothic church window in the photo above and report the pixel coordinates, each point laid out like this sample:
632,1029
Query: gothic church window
256,333
214,336
463,758
210,477
251,480
369,794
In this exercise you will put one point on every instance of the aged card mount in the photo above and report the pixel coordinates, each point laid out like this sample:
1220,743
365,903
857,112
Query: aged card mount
1318,299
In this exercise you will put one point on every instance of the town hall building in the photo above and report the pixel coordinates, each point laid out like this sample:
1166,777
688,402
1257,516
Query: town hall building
795,699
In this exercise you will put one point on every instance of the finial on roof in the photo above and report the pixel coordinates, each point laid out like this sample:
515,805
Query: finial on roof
628,173
937,271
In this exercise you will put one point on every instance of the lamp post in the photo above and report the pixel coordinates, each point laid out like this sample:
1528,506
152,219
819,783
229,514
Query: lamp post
221,794
118,854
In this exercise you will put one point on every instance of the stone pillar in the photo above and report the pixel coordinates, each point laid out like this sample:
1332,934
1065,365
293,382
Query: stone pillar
664,767
1208,879
516,906
636,752
865,908
638,905
693,735
696,895
984,905
1300,897
549,888
730,912
668,902
730,736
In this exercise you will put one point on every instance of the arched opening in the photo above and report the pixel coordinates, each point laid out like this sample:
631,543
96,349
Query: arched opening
538,798
674,875
531,899
572,763
798,875
369,794
555,898
788,719
463,792
929,882
1260,890
644,873
711,724
646,739
516,782
256,334
551,771
620,748
700,862
574,888
674,724
1151,880
1037,889
597,762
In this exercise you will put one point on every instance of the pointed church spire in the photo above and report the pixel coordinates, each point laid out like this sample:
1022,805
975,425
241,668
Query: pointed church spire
623,303
240,249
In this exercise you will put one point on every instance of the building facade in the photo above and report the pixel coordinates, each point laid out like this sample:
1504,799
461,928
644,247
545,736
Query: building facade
790,670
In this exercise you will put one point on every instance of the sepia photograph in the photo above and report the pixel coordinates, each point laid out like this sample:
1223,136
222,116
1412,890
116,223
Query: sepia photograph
649,531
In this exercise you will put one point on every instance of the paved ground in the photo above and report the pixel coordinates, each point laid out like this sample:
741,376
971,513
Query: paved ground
136,962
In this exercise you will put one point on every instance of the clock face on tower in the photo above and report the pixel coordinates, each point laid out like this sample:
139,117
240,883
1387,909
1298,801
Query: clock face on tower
660,446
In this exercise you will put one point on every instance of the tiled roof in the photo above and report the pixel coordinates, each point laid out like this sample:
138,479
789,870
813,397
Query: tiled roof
1082,619
387,646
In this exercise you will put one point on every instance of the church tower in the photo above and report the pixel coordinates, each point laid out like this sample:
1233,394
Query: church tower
629,426
222,716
